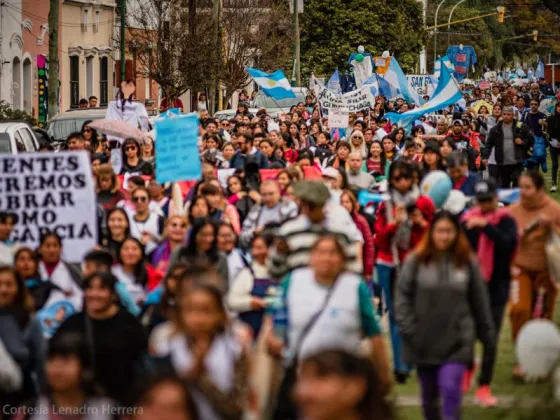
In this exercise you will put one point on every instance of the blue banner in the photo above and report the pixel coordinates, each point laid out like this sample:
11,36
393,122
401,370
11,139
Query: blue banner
177,155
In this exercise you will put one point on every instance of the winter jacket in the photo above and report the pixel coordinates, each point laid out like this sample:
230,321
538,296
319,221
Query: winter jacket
553,126
286,210
441,310
368,254
240,160
466,185
495,140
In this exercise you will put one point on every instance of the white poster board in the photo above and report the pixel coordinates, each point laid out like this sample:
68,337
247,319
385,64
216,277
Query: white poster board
354,101
338,119
51,192
421,83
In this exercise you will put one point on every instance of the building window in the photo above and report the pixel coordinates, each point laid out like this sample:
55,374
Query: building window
96,21
74,81
89,76
84,20
103,80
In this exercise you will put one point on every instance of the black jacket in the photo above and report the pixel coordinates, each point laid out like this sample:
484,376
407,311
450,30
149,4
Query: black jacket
496,139
504,235
553,126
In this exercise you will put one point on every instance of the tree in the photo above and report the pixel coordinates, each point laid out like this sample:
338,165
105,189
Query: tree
332,30
8,113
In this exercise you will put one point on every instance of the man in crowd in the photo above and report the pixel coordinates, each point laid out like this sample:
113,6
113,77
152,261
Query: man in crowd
75,141
511,140
534,94
93,101
356,177
273,210
247,153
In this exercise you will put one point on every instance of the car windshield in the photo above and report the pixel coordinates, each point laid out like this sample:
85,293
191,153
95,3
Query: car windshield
264,101
59,129
5,144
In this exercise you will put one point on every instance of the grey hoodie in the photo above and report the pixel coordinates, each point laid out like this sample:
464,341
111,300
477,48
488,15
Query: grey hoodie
441,310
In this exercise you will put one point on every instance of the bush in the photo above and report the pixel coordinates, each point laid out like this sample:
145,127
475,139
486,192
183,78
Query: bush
7,113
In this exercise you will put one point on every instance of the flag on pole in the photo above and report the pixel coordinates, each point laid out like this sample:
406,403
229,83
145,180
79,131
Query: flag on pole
397,79
520,72
373,84
275,85
447,93
437,66
539,72
334,83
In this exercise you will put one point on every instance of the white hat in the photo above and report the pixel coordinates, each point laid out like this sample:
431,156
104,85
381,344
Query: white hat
331,172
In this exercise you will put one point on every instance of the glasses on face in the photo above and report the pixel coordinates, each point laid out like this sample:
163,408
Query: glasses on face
87,130
356,137
129,148
225,125
140,199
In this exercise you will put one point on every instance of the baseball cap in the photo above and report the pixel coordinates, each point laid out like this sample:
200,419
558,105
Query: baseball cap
331,172
312,192
485,189
460,122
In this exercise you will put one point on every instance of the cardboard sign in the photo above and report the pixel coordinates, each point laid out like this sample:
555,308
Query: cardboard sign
421,83
338,119
51,192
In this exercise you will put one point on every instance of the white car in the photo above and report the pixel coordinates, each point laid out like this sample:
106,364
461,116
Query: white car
274,108
17,137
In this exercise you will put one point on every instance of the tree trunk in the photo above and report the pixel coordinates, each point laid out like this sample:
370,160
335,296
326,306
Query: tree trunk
54,88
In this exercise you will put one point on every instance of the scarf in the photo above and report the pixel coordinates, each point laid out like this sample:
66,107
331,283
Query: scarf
485,246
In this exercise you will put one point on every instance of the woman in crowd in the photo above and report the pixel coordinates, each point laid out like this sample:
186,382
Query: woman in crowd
205,354
116,338
267,148
358,143
63,275
132,162
326,376
132,270
390,149
158,196
252,285
175,235
399,137
286,145
377,163
284,178
533,291
492,121
146,226
202,248
118,229
70,386
220,209
350,203
441,298
227,244
26,264
108,188
338,160
446,147
432,160
148,150
228,150
22,337
91,138
553,128
308,294
315,128
400,225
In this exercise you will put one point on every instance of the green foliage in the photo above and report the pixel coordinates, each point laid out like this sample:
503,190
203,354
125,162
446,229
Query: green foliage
7,113
333,29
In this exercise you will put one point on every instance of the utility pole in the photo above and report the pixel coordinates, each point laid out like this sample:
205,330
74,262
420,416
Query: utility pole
216,9
123,40
423,58
297,44
53,59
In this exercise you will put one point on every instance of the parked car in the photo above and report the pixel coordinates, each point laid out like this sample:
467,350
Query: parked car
67,122
17,137
275,108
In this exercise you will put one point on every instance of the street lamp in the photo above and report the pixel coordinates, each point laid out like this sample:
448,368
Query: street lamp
435,30
449,21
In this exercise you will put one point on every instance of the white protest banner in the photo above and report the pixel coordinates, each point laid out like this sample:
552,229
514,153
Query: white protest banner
354,101
362,70
436,117
421,83
338,119
51,192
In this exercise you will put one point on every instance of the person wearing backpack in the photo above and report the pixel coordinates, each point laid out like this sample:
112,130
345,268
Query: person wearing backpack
441,307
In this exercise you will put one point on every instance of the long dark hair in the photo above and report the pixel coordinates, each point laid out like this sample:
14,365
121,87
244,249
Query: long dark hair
140,273
168,299
460,251
128,141
373,404
34,257
403,167
381,156
190,251
46,235
22,306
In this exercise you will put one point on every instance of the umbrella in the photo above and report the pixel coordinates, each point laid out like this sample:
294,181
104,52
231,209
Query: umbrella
117,128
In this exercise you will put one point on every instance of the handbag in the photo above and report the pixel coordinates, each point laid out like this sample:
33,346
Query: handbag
552,251
285,407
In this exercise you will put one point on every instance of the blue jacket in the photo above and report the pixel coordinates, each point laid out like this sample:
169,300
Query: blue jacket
239,160
467,187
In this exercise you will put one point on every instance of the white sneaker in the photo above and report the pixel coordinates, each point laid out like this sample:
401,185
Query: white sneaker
553,188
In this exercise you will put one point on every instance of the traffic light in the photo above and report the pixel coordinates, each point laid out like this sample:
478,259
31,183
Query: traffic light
501,12
535,35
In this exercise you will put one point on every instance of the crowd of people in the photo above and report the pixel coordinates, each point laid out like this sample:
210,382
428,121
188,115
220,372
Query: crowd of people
263,296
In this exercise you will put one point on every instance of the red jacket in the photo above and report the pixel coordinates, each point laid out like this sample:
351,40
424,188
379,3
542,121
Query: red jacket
368,256
384,231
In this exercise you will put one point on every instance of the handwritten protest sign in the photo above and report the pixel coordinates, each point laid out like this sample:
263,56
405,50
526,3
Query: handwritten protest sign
177,155
338,119
421,83
354,101
51,192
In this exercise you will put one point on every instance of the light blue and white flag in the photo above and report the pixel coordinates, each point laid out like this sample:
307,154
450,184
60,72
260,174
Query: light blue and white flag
334,83
539,72
275,85
437,66
373,84
400,84
520,72
447,93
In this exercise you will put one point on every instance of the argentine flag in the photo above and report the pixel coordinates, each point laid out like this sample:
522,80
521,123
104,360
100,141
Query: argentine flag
334,83
539,72
437,65
447,93
274,84
397,79
373,84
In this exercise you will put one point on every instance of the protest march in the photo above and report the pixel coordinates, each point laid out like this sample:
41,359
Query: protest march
368,249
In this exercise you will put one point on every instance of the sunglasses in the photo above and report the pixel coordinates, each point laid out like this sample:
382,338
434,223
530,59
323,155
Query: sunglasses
141,199
129,148
225,124
397,178
87,130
